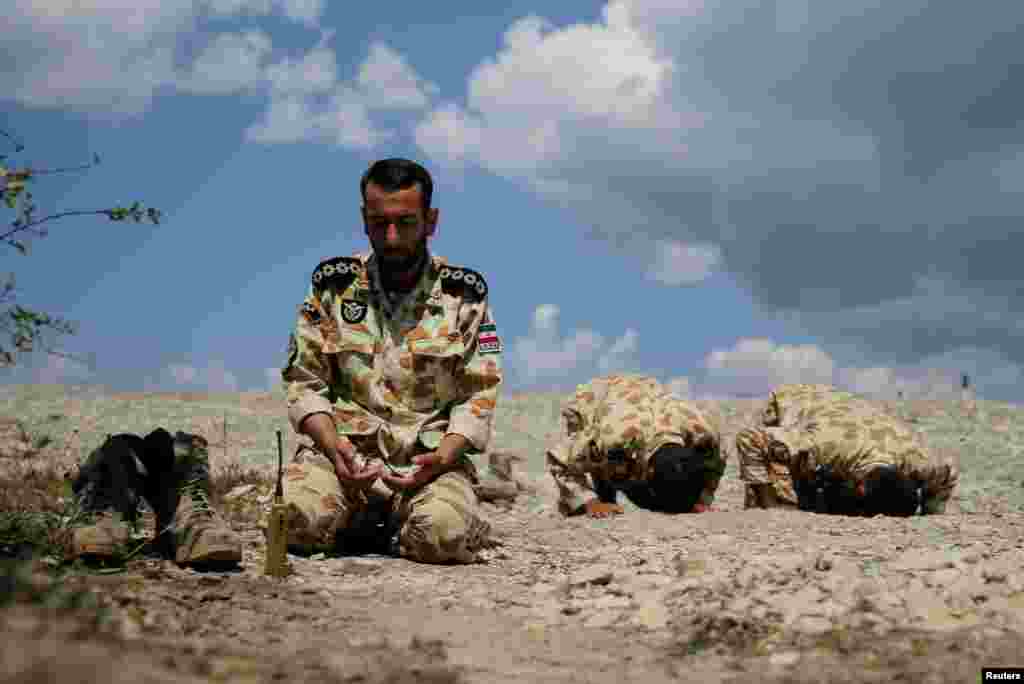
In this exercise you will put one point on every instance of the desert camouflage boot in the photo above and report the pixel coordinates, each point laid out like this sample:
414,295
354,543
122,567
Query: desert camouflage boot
200,534
106,495
100,531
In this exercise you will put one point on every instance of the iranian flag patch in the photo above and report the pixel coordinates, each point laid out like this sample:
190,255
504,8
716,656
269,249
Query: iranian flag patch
488,341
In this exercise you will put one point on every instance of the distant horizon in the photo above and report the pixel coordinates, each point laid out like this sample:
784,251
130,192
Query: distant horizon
512,394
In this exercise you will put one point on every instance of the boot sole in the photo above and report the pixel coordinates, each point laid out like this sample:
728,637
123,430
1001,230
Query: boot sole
217,556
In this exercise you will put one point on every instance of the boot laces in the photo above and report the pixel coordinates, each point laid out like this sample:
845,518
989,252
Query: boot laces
194,488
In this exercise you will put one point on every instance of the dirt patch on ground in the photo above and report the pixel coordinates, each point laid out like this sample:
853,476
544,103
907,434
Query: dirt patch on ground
786,597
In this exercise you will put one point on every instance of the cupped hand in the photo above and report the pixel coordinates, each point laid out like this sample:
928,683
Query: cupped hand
351,473
430,465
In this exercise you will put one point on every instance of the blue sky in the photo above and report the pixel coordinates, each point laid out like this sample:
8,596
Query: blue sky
725,195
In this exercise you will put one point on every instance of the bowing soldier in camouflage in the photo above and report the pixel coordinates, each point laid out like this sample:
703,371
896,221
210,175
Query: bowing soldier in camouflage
170,473
628,433
393,371
823,449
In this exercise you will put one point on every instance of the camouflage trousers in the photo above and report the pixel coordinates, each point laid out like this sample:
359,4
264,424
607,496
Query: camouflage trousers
439,522
761,463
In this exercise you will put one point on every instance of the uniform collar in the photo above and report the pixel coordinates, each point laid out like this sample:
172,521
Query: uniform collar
427,288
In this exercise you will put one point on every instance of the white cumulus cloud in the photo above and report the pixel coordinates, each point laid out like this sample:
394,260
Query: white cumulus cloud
754,366
231,63
545,355
388,81
110,57
310,103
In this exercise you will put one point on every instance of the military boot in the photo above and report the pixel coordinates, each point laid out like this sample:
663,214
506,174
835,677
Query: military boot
100,531
200,534
106,494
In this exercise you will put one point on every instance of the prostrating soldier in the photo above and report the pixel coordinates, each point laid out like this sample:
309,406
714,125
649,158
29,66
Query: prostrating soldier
393,371
628,433
822,449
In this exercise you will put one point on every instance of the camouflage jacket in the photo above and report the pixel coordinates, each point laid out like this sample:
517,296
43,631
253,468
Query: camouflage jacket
819,424
630,412
396,378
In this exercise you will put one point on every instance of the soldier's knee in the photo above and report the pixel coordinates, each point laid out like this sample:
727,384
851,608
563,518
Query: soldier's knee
437,532
316,505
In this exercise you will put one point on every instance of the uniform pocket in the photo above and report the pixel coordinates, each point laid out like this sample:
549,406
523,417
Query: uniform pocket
355,367
435,363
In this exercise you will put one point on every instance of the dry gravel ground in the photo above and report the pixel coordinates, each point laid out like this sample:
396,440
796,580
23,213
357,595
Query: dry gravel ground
729,596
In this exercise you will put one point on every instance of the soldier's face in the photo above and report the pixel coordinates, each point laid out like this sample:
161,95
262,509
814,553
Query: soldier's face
397,224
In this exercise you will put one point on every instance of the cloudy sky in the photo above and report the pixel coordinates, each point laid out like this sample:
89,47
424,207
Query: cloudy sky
725,194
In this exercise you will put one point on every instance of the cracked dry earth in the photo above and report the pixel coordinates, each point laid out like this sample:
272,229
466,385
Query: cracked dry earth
728,596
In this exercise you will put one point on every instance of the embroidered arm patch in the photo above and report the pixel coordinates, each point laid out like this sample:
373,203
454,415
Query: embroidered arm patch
488,342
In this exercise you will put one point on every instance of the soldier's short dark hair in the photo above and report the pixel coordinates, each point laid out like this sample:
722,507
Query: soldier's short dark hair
676,483
886,492
395,174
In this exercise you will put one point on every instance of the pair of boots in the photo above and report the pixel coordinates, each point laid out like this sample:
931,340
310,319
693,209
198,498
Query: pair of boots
172,475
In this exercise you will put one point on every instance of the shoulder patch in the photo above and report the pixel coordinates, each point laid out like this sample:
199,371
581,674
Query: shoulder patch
467,282
339,271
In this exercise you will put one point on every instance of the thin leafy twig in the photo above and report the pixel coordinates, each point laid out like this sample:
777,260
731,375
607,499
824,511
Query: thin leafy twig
60,169
63,214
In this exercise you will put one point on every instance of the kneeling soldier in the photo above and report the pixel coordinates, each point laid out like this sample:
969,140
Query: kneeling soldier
628,433
393,372
823,449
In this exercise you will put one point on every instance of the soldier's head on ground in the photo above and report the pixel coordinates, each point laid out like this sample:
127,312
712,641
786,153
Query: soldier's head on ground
887,492
676,483
396,211
828,493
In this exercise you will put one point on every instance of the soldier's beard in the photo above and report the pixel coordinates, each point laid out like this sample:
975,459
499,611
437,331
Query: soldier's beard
398,268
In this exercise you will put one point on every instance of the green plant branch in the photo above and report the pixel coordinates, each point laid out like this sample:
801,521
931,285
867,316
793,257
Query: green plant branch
63,214
29,330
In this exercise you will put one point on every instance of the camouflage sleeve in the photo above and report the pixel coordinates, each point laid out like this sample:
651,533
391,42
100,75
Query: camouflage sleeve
768,456
714,468
307,373
578,411
574,485
479,377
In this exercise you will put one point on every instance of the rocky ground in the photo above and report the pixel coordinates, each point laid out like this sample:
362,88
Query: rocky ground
732,595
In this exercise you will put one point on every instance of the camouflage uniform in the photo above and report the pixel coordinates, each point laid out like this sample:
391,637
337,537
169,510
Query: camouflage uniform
783,408
803,426
634,413
396,377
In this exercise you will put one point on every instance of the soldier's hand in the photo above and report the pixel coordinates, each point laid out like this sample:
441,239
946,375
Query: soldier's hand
349,472
703,508
430,465
599,509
